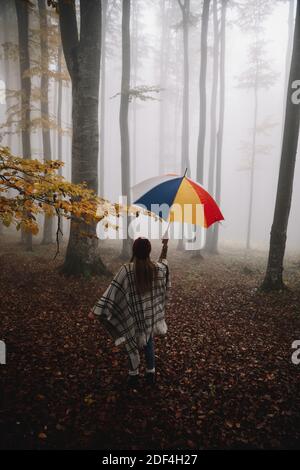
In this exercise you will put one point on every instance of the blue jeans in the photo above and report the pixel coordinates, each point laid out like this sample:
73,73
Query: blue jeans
149,354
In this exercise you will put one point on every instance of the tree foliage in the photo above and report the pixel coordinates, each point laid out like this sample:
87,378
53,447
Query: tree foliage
16,120
29,188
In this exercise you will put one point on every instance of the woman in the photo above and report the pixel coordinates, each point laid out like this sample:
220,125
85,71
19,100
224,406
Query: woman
133,307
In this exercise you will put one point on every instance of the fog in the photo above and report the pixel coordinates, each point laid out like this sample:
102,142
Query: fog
148,55
149,226
238,125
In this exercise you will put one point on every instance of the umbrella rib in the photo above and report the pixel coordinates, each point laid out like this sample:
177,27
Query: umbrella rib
176,195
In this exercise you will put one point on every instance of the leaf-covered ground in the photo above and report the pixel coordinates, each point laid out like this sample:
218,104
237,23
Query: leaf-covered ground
225,376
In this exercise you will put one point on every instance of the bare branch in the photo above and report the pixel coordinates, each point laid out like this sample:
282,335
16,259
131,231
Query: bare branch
181,5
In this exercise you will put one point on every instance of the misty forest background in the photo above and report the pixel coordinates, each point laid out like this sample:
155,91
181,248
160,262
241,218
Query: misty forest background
120,91
229,138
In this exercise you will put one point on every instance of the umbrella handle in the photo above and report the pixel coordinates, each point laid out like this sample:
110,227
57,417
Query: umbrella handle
166,234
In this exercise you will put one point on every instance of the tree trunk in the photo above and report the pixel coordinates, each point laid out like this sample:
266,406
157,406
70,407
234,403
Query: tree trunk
59,109
83,62
185,142
135,63
59,124
123,117
252,168
48,221
202,89
24,62
185,134
4,25
290,41
202,104
221,121
177,106
288,60
7,69
103,99
213,121
162,83
273,278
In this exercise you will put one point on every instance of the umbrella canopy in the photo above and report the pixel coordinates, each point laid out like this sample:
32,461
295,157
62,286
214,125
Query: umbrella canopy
177,198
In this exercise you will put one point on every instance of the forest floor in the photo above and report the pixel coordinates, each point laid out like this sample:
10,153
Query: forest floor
225,375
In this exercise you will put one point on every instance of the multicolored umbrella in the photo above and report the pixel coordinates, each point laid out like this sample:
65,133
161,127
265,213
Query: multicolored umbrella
177,199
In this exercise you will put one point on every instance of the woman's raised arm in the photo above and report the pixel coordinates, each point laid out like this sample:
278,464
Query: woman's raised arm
164,250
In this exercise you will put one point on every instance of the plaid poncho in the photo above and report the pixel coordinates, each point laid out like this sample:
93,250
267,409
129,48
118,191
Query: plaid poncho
132,318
